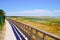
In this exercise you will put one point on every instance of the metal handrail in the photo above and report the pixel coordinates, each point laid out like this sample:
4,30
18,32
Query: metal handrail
29,30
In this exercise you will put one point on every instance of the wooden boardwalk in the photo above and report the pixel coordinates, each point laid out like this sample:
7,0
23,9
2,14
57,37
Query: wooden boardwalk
34,33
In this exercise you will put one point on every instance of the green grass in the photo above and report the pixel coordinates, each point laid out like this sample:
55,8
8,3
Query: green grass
49,22
1,26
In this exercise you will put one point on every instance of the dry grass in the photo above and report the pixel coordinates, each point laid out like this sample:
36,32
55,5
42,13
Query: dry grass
51,29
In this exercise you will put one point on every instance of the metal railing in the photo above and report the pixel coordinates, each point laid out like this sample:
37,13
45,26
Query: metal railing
36,33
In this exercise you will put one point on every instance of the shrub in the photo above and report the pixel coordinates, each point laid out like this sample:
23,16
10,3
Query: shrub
2,18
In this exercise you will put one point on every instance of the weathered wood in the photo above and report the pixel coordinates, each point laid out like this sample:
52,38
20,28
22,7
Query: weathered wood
37,30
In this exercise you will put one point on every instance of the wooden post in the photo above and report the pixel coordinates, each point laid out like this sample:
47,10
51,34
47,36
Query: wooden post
44,37
36,35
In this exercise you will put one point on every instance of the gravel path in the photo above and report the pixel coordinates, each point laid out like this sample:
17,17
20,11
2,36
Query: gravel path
0,35
9,35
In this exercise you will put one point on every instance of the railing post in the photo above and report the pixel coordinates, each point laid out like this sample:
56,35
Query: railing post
31,32
28,31
36,35
23,27
44,37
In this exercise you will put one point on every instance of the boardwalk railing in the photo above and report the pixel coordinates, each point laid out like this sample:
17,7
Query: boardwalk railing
35,33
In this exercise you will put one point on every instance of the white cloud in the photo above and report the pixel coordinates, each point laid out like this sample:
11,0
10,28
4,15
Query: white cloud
56,10
37,12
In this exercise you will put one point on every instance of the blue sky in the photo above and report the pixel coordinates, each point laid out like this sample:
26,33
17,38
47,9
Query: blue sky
31,7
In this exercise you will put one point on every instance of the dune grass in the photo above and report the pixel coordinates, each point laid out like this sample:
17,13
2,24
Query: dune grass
51,26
